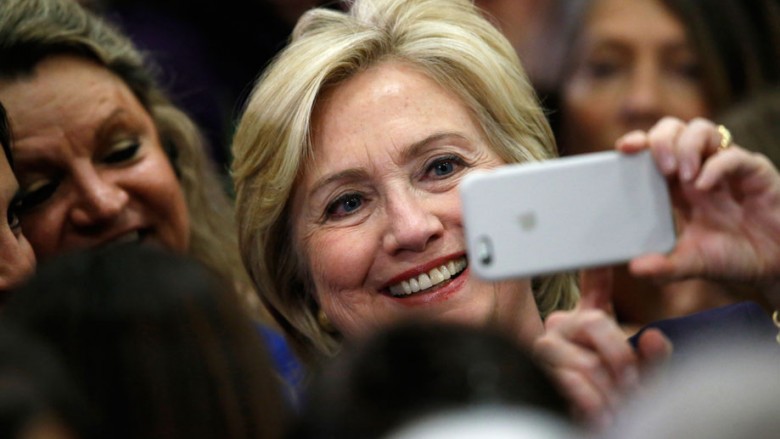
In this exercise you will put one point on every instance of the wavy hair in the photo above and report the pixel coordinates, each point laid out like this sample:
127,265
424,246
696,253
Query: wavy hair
31,30
447,40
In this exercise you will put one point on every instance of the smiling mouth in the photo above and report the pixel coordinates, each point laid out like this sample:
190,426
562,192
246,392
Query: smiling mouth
135,236
429,280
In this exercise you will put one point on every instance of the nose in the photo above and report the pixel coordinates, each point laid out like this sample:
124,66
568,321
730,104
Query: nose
98,199
412,224
642,104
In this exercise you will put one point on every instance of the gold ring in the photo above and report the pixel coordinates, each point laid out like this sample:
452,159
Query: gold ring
725,137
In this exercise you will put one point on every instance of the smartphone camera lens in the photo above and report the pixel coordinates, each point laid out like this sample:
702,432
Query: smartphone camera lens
484,251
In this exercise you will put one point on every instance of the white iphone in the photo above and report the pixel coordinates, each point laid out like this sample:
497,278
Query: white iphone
569,213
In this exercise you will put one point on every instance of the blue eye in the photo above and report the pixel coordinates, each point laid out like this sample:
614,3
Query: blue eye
444,166
344,205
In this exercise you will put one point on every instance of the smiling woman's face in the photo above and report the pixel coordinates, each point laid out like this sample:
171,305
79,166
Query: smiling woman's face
376,215
89,161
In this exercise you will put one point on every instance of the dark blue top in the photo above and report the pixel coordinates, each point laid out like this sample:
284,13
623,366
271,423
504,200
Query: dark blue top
743,322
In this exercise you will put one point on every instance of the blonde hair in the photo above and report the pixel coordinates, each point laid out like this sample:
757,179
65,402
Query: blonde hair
31,30
447,40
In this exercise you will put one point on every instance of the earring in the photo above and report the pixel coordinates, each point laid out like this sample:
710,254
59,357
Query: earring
324,321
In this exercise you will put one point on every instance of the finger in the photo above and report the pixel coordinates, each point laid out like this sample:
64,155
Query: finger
662,138
588,404
595,330
632,142
697,141
676,265
736,162
596,289
654,349
651,265
559,355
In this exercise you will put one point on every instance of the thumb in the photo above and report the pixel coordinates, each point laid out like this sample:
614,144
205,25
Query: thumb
596,289
654,348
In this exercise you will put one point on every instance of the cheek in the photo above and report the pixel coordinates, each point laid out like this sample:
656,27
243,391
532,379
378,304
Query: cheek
339,259
43,227
687,108
17,260
590,120
160,190
586,107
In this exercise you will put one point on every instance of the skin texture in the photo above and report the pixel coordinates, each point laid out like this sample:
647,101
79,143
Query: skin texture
16,258
90,161
379,202
633,64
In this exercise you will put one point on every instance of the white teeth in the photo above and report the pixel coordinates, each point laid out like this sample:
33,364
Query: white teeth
430,279
425,281
436,276
127,237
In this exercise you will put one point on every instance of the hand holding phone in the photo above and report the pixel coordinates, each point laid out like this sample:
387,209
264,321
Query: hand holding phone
528,219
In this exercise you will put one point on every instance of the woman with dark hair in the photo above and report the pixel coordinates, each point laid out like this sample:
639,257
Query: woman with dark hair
38,398
158,344
629,64
16,256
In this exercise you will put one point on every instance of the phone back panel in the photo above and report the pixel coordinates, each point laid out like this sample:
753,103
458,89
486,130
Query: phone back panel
574,212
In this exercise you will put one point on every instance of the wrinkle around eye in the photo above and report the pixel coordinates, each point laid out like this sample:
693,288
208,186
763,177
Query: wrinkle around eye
124,151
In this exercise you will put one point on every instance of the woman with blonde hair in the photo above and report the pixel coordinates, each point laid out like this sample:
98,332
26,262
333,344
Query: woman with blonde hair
347,163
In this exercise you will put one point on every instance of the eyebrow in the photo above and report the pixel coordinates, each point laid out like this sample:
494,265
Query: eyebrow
611,43
118,115
40,159
407,154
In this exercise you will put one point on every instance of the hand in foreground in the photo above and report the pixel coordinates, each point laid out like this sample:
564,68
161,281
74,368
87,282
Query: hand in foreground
728,199
588,356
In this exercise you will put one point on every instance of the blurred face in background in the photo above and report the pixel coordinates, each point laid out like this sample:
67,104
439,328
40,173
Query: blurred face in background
89,161
16,255
632,65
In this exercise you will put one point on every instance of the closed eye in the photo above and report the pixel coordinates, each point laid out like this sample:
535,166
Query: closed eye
36,195
124,152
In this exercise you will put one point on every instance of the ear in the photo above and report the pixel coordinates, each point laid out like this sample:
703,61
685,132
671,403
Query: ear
173,156
596,289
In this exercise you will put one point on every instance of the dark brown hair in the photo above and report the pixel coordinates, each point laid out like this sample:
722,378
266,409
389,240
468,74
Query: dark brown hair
158,343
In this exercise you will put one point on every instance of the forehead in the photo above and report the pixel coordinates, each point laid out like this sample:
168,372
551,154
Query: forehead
64,90
637,20
383,110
